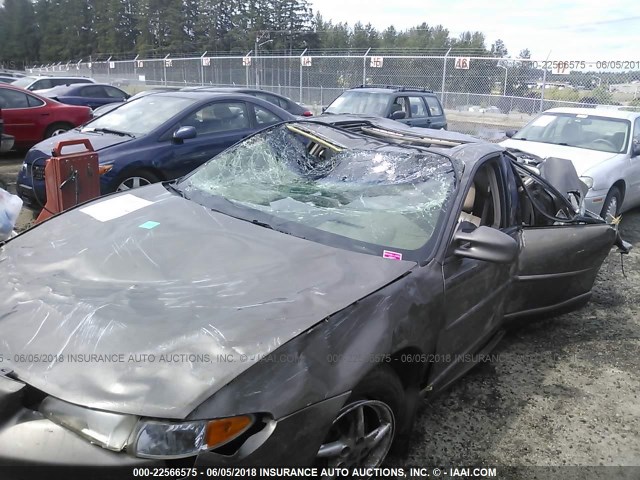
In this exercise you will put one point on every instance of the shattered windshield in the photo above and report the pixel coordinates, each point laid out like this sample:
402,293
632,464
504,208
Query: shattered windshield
303,182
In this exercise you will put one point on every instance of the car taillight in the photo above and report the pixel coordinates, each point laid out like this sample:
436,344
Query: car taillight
307,113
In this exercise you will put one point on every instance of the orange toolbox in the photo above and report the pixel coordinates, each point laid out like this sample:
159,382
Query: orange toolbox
70,179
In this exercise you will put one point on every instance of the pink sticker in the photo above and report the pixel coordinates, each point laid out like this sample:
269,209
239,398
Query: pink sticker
391,255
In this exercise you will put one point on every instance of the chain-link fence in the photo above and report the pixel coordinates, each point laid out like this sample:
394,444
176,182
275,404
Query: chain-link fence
475,91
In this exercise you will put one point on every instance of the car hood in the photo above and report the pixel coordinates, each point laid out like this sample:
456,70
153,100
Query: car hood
582,158
99,141
152,312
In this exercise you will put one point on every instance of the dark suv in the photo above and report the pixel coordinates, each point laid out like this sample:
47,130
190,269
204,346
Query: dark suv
414,106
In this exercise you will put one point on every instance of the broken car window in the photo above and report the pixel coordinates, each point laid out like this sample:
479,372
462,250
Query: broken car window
299,177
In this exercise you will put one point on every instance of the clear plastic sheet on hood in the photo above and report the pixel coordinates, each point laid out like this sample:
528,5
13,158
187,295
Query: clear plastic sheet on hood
115,316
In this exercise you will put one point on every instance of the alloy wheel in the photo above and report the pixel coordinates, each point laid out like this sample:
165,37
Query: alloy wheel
132,182
360,436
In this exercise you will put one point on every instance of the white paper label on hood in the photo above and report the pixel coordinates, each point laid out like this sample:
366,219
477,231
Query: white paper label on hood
115,207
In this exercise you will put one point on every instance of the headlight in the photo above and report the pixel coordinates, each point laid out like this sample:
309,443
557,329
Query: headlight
161,439
588,181
145,438
109,430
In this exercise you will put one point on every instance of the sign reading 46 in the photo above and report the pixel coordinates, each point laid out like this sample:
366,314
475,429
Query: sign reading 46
462,63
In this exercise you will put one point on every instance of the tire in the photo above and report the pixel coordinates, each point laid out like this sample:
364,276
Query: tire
612,204
57,129
375,404
135,179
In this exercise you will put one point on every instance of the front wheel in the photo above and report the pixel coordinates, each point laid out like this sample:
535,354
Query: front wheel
362,433
612,204
139,178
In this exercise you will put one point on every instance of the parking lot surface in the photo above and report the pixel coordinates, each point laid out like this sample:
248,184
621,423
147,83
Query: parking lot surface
558,391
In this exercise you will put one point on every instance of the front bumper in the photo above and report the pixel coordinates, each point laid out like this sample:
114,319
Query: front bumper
594,201
29,441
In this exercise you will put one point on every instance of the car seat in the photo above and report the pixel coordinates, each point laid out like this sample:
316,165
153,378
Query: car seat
467,208
225,118
618,140
572,134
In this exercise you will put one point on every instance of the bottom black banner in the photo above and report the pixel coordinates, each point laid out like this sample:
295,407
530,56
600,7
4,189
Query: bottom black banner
391,473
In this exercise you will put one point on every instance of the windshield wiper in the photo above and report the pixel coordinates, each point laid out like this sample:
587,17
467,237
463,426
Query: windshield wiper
171,186
262,224
109,130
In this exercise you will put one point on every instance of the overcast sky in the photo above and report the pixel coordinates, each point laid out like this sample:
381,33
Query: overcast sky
571,30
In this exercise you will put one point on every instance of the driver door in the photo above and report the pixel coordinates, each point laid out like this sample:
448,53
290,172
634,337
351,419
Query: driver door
558,262
474,290
218,126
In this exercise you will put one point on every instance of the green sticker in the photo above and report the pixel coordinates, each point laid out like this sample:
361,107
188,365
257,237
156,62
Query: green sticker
149,225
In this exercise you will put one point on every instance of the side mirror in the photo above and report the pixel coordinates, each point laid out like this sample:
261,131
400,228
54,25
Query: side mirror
635,149
398,115
510,133
324,109
184,133
487,244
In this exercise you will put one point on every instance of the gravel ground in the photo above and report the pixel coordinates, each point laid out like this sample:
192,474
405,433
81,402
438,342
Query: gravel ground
559,391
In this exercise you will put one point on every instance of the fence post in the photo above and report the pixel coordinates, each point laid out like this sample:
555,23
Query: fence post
364,67
444,77
301,55
202,68
544,82
164,68
109,70
544,86
248,55
135,68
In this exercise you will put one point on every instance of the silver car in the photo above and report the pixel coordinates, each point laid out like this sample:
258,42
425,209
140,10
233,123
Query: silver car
38,83
603,144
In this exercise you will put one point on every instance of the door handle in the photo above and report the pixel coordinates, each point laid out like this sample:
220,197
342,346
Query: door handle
44,114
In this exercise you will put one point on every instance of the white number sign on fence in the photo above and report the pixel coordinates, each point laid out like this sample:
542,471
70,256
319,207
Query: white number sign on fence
305,61
168,63
140,64
462,63
246,61
206,61
112,64
376,62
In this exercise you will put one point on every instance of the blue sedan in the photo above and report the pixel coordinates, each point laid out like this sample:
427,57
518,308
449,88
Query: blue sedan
155,138
91,95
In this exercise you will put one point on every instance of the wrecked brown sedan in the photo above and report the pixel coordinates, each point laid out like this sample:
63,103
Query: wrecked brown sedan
281,304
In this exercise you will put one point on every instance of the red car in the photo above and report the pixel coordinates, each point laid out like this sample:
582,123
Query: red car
31,118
